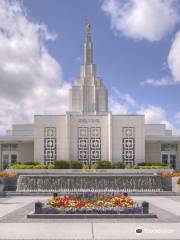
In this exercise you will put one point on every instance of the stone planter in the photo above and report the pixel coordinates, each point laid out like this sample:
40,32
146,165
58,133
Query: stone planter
175,186
178,189
8,183
167,183
1,186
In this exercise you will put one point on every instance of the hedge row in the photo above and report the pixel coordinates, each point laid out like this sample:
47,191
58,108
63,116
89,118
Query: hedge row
103,164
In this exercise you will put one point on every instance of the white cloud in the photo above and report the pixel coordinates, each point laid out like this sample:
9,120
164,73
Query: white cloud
116,107
153,114
142,19
31,79
173,65
166,81
177,117
125,97
121,103
174,58
157,115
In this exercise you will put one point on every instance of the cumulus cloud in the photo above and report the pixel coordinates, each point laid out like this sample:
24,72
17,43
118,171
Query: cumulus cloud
122,104
174,58
31,80
116,107
157,115
153,114
142,19
128,100
177,117
166,81
173,66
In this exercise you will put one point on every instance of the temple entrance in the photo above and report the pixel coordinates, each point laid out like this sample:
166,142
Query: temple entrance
169,154
169,159
9,155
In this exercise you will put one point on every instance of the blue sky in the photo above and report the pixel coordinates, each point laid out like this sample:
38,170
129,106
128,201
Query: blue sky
136,45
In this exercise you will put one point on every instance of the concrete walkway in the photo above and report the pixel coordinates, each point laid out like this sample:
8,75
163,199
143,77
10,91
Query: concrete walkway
163,203
8,205
72,231
19,227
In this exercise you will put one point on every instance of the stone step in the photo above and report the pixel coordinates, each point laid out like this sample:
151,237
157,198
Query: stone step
162,193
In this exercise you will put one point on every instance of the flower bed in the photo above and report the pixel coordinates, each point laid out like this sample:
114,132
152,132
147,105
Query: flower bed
114,204
178,181
6,174
171,174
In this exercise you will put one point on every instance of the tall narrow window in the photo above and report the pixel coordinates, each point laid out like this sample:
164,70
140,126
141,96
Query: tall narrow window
83,144
49,145
95,144
128,145
169,154
9,154
89,144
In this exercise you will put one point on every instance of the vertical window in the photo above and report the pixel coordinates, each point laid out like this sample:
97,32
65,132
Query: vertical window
49,145
9,154
95,144
89,144
169,154
128,145
83,144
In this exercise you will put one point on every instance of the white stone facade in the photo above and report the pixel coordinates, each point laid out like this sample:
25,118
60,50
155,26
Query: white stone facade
89,132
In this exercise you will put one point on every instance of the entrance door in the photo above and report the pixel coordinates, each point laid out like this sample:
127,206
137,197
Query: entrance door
169,159
164,158
5,160
9,158
172,158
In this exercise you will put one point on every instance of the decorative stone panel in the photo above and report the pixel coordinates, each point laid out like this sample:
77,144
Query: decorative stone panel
49,145
128,145
89,144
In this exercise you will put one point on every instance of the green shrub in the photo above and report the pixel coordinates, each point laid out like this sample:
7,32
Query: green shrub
150,167
27,166
151,164
62,164
103,164
76,165
30,163
50,166
118,165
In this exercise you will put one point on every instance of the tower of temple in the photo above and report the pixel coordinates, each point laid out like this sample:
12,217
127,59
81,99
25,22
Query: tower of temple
88,95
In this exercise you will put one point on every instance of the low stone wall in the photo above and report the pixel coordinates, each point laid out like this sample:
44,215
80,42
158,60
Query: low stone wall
167,183
1,186
90,182
8,183
87,171
175,186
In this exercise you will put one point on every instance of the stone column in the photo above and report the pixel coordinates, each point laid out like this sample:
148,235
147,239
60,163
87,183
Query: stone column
68,130
110,136
178,156
1,164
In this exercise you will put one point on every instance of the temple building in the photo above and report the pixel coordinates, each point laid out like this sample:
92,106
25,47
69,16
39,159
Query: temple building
88,132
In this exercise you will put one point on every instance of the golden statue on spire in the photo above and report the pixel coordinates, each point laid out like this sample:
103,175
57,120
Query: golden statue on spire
88,26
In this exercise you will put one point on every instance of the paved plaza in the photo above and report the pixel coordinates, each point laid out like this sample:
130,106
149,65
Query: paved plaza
15,225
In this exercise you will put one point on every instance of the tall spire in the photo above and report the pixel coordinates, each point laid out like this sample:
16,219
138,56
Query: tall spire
88,31
88,95
88,45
